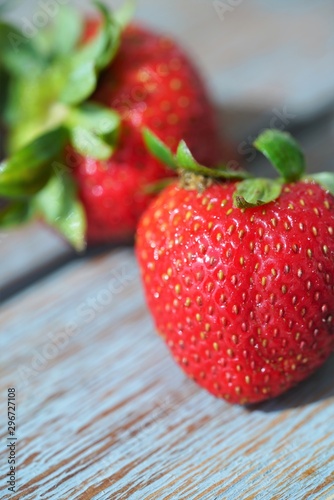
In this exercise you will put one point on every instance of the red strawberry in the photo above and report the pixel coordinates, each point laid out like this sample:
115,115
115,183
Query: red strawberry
244,297
152,83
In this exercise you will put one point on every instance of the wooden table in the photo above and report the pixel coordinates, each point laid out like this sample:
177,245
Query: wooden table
102,410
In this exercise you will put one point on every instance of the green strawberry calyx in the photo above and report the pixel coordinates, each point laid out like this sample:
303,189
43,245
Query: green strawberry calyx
191,172
280,148
49,79
286,156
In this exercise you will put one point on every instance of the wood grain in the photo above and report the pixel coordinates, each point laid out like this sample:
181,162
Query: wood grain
103,412
26,253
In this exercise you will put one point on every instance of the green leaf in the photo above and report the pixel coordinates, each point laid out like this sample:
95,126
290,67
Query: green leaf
158,149
94,130
88,144
255,192
100,120
186,161
81,82
64,74
183,160
57,203
28,170
32,107
124,14
18,53
64,34
325,179
111,33
281,149
92,57
15,213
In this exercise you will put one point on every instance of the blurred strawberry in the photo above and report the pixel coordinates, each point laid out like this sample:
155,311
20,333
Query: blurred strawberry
133,78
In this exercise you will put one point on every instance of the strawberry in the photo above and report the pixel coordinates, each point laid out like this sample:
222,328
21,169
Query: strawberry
150,83
146,80
239,275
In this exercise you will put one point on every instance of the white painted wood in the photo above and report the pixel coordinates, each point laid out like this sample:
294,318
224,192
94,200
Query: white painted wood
26,250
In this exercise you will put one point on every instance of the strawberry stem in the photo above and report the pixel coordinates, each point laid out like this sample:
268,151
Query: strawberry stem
279,147
184,161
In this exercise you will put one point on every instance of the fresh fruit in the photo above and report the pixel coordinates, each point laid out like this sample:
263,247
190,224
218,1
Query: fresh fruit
132,79
239,276
151,83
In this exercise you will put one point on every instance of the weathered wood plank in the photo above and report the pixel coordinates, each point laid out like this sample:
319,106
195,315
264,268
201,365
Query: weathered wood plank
27,252
103,412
